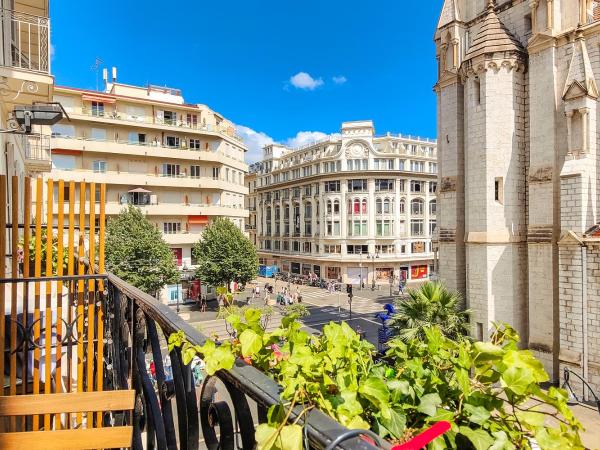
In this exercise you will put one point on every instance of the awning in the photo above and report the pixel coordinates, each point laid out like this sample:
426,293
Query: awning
198,220
140,190
98,98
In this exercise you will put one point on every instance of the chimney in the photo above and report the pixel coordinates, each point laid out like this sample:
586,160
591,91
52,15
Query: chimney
114,74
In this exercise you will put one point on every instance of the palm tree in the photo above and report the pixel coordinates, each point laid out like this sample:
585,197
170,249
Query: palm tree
430,305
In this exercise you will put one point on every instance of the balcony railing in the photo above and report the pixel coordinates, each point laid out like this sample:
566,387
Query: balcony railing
37,147
27,41
181,124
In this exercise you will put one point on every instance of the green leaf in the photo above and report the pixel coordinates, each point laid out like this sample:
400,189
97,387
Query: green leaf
502,441
291,437
265,436
222,358
358,423
429,404
480,439
251,343
375,390
517,379
396,424
477,414
487,351
188,354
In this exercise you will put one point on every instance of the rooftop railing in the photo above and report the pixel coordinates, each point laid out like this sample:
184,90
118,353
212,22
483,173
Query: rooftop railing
27,41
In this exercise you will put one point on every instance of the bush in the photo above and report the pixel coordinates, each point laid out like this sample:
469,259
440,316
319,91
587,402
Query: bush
489,391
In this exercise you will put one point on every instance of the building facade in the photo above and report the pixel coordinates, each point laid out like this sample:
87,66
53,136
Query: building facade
251,202
25,79
517,107
180,163
354,207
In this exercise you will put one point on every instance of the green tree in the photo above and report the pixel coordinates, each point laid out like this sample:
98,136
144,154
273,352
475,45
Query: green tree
430,305
224,255
136,252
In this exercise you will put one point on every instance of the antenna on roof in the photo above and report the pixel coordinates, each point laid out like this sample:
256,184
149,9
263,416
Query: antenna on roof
96,68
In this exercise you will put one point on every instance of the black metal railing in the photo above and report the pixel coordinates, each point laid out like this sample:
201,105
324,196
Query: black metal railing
586,388
138,328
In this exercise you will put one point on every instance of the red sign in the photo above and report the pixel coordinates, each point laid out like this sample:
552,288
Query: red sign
178,255
418,272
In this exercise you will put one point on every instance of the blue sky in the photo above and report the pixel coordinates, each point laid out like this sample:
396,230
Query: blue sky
284,71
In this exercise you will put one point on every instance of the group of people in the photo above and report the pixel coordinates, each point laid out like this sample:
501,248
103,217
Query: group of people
285,297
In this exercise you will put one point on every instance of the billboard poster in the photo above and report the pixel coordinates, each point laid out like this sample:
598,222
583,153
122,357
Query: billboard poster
297,222
418,272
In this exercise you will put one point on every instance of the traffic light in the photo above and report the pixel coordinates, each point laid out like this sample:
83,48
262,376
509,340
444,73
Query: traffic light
349,289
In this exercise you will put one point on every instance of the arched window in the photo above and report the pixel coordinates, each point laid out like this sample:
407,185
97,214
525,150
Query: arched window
364,206
356,207
386,206
268,213
433,207
336,207
277,213
402,206
379,206
416,207
329,207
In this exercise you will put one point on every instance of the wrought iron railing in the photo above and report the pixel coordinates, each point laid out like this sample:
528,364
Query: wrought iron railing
137,329
586,389
28,39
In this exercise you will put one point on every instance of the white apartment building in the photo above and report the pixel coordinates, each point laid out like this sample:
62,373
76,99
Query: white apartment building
180,163
354,207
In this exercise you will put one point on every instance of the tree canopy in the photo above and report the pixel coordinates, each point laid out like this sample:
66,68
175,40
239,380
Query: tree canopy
430,305
136,252
224,255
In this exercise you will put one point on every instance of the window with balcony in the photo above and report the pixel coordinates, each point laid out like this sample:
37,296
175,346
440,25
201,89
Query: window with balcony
357,185
384,185
215,173
332,186
333,228
194,144
416,227
417,186
170,170
433,207
99,166
384,227
357,228
171,227
172,141
432,227
191,120
98,109
170,117
357,249
416,207
195,171
98,134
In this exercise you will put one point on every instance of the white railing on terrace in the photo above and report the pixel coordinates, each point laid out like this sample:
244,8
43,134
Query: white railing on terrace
156,144
408,137
27,39
117,115
37,147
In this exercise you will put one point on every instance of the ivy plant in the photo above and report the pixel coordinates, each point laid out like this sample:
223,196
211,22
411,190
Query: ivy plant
489,391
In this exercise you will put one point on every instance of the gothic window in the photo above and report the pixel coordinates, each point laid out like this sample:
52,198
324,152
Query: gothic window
416,207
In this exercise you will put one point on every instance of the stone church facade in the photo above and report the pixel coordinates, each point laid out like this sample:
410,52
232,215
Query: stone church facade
518,144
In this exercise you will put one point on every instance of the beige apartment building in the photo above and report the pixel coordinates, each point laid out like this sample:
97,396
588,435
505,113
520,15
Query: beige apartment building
181,164
251,202
519,163
354,207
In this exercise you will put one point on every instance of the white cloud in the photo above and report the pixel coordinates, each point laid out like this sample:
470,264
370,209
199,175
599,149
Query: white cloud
255,141
303,138
340,80
303,80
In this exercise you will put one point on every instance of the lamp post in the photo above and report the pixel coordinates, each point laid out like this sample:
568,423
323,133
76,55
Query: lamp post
373,257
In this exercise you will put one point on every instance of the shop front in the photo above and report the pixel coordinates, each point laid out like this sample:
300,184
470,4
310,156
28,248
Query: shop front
357,275
306,269
317,270
384,274
295,268
334,273
419,272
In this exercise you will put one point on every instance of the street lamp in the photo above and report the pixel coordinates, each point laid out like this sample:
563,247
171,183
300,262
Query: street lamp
373,257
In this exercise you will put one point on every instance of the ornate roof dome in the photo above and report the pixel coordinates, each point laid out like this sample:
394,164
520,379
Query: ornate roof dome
493,37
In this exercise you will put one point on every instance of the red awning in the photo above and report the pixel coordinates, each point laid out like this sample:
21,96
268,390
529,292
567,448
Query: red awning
198,220
98,98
